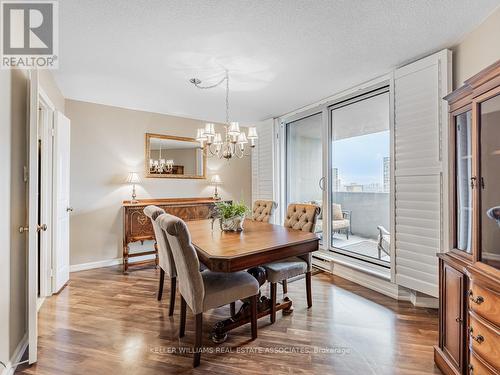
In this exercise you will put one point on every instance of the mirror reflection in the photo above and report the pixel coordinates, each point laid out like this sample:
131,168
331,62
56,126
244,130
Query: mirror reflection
174,157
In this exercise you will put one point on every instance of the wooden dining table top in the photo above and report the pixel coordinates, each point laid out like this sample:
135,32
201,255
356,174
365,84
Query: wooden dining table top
257,244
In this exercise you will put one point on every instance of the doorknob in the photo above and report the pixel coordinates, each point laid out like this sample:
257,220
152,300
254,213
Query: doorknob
322,183
69,209
23,229
42,227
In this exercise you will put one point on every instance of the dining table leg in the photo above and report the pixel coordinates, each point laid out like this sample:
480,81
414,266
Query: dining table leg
243,316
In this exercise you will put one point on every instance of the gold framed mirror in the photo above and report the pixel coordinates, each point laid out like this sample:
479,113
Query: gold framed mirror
168,156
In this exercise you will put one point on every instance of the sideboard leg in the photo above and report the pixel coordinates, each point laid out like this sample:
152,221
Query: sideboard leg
125,259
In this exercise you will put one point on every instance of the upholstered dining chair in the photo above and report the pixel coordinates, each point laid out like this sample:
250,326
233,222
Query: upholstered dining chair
165,259
263,210
299,217
206,290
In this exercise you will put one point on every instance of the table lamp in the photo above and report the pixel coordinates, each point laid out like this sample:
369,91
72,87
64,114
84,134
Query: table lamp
133,178
216,181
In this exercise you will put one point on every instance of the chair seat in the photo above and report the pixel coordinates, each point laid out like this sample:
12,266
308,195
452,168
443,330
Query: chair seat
340,224
222,288
285,269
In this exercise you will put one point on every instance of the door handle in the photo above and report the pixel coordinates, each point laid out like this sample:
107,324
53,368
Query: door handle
321,183
69,209
42,227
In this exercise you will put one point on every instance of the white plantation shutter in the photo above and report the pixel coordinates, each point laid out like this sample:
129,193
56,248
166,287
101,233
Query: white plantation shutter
262,162
420,153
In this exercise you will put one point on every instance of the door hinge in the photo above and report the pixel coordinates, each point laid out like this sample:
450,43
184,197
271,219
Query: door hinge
53,132
25,174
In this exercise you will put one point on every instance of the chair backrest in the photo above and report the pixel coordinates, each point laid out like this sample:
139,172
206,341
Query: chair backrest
337,211
301,217
165,259
263,210
186,261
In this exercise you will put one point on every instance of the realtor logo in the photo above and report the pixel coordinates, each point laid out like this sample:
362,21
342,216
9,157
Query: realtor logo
29,34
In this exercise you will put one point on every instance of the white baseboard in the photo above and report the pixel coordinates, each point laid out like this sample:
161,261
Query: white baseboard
371,279
107,263
11,365
375,283
423,300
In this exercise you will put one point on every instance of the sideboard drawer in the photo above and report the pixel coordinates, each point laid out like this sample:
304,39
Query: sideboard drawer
484,339
477,366
484,302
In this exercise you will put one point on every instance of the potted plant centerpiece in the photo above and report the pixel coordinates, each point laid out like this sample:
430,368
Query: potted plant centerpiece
232,215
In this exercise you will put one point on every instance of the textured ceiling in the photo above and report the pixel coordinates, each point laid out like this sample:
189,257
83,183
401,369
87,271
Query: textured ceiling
281,55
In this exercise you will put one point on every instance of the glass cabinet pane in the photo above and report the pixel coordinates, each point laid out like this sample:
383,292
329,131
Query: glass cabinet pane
463,174
490,180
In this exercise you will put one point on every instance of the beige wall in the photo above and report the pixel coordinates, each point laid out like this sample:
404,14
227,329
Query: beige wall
106,143
13,99
478,49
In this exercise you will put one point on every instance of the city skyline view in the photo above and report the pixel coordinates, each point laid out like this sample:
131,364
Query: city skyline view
358,163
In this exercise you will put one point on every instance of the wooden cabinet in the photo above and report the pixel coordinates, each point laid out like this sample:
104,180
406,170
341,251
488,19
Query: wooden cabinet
138,227
453,314
469,285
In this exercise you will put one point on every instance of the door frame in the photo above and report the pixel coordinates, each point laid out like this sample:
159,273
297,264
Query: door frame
46,131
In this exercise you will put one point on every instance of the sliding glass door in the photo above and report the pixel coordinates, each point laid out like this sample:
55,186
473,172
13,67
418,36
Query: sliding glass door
304,162
360,177
339,158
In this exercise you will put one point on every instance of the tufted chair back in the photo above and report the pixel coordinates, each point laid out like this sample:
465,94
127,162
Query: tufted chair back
301,217
263,210
165,259
186,261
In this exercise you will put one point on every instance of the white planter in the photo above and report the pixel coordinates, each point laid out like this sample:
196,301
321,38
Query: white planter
234,224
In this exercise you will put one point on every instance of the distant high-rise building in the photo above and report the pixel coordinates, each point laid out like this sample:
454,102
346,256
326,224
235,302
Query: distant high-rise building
354,188
336,179
374,187
387,174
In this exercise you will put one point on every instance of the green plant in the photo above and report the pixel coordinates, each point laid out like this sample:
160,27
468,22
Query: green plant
229,210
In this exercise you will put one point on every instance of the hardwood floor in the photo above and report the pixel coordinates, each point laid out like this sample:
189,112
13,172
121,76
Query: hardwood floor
105,322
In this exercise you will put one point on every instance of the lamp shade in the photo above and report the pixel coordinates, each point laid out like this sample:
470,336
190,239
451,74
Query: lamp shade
200,135
209,129
234,129
215,180
242,138
252,133
133,178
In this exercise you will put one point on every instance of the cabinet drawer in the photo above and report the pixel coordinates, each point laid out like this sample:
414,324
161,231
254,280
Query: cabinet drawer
485,340
484,302
477,366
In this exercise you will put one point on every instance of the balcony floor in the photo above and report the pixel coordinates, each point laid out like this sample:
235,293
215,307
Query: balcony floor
359,245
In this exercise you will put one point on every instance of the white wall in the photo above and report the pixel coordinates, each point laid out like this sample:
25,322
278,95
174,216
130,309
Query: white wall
106,143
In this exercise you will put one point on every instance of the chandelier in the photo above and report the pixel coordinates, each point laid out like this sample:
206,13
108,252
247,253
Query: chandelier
234,142
160,165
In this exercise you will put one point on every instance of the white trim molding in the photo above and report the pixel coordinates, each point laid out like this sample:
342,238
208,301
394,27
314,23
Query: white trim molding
375,278
106,263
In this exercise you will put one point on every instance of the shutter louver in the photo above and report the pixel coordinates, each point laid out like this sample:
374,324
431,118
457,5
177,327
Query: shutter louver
420,133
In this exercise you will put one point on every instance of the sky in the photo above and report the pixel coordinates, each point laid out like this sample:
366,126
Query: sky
360,159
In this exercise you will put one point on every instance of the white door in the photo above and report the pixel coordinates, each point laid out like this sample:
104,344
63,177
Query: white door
61,201
33,217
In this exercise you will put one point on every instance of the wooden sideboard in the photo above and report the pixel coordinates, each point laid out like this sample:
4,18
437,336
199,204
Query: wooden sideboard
138,227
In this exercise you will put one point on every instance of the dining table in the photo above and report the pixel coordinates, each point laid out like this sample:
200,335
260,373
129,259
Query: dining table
257,244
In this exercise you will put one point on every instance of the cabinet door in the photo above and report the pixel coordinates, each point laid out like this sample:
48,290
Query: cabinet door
453,315
489,179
